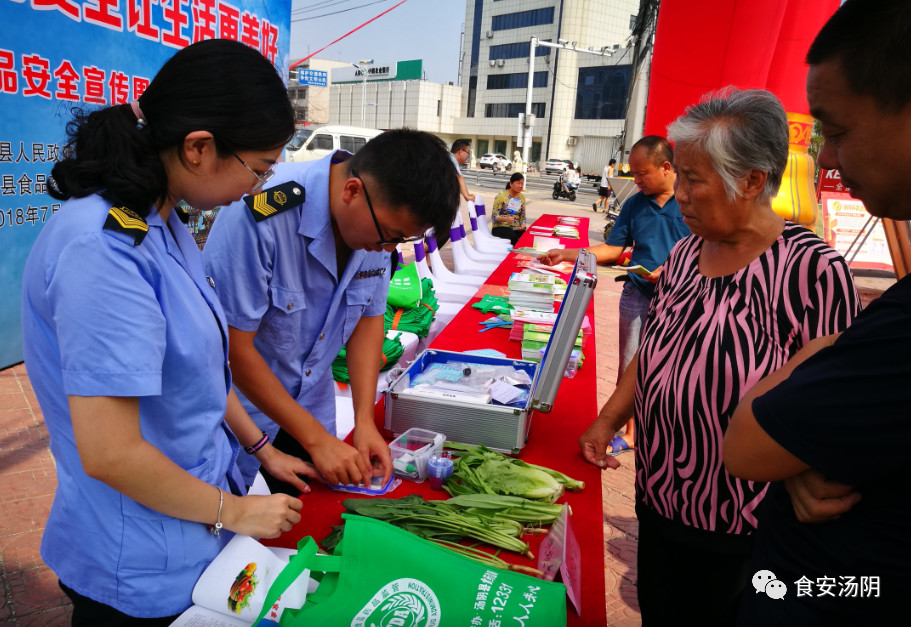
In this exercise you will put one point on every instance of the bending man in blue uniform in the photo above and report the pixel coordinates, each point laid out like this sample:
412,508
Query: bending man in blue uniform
303,269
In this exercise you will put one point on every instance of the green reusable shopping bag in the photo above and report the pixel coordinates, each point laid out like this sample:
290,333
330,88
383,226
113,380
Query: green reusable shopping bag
405,287
383,576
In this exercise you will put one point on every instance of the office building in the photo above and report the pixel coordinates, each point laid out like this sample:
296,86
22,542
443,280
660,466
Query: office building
579,100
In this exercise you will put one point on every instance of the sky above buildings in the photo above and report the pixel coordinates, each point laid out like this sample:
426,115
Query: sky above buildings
418,29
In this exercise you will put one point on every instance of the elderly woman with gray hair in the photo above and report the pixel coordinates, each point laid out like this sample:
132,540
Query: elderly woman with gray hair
735,301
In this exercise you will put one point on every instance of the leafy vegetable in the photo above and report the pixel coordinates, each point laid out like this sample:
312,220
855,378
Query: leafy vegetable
492,519
436,519
487,558
481,470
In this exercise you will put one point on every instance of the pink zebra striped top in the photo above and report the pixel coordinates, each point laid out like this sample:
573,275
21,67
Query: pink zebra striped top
705,343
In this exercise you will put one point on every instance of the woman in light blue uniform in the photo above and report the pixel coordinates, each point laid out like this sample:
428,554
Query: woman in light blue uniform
126,343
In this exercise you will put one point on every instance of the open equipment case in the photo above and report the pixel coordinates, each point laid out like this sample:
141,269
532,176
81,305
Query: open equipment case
500,427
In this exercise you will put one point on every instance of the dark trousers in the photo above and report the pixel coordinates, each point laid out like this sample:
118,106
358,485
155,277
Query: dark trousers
506,232
90,613
286,444
682,584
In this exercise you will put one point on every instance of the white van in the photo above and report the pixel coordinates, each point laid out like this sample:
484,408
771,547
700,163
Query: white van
318,141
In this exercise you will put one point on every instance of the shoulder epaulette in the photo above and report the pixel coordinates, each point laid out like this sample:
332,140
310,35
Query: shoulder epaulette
182,215
274,200
124,220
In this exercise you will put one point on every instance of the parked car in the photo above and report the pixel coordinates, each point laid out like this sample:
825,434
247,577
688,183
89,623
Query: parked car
317,142
495,161
557,166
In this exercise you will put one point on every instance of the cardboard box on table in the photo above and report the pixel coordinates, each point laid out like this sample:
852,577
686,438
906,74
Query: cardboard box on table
500,427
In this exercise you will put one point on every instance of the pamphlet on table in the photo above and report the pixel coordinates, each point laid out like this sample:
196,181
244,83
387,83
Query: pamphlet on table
232,590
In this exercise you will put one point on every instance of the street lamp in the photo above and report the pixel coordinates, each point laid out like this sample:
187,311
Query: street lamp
363,65
527,123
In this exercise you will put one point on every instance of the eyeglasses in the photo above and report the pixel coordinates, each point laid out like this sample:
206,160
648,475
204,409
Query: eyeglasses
260,179
382,241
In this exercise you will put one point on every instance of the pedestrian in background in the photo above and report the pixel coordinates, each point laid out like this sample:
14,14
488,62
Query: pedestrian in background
460,153
604,191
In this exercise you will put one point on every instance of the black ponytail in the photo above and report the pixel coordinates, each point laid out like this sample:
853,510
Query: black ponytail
218,85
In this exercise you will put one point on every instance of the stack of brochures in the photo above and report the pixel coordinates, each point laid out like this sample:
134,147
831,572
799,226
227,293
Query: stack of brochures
540,323
566,231
535,338
533,292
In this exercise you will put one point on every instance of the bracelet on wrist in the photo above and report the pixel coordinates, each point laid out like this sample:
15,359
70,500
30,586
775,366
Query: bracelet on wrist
255,447
216,528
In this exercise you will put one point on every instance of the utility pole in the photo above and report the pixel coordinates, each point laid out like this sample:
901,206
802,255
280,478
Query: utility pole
363,65
528,122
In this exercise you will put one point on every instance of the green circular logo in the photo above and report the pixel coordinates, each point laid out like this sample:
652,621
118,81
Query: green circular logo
400,603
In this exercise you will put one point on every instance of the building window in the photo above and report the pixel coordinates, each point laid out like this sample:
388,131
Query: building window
515,81
633,22
472,96
536,17
512,109
601,92
439,108
476,34
518,50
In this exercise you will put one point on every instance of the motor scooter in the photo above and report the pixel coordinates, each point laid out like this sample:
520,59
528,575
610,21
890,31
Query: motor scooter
569,192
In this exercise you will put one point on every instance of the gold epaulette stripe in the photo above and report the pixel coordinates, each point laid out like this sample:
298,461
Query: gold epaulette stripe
261,205
127,221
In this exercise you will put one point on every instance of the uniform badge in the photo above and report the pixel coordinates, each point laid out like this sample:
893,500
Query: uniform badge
274,200
124,220
366,274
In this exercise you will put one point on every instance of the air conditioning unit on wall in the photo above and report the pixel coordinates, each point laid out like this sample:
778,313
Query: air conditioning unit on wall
500,62
571,141
490,34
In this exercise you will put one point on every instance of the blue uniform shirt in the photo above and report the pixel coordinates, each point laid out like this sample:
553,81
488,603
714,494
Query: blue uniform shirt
279,278
102,317
652,229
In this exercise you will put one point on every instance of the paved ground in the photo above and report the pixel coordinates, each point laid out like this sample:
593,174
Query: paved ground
30,595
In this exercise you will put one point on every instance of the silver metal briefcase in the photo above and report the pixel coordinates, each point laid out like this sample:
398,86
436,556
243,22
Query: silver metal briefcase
500,427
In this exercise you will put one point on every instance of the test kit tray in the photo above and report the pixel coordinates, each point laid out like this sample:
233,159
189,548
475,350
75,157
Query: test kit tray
500,427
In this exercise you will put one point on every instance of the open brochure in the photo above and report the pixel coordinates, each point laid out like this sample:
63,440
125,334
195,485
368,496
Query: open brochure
231,591
634,269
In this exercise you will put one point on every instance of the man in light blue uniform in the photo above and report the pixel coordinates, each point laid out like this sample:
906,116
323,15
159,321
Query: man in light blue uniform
303,269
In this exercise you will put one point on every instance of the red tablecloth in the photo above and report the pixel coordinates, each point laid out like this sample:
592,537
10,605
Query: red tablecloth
551,441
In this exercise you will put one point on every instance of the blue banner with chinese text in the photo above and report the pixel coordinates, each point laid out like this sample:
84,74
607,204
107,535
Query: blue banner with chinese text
59,54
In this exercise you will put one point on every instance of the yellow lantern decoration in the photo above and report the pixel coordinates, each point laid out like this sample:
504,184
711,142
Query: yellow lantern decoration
796,199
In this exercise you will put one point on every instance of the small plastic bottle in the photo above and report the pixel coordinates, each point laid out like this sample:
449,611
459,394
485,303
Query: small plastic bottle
439,468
